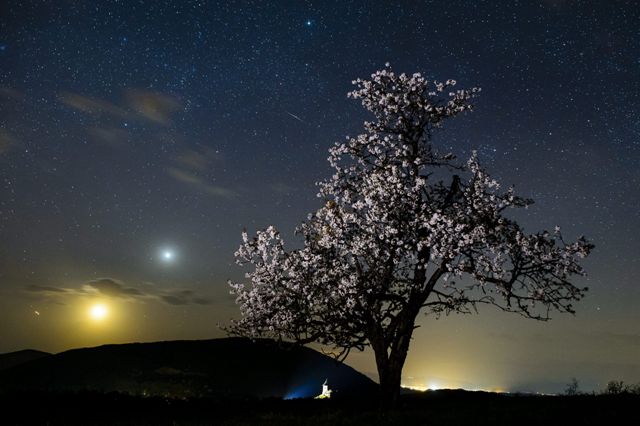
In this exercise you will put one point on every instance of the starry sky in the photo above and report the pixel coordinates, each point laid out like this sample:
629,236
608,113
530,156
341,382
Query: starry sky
139,138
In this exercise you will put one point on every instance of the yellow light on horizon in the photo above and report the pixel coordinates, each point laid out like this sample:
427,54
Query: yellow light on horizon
98,312
415,387
430,386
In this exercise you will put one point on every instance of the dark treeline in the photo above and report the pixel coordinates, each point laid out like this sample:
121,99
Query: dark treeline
613,387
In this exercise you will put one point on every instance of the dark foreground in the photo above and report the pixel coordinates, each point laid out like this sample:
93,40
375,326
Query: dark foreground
432,408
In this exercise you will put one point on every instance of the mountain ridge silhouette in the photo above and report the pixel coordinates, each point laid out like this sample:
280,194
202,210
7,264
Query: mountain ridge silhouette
225,368
12,359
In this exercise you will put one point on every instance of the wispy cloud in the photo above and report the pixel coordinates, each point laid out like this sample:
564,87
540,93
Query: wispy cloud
143,105
117,289
154,106
11,93
282,188
198,183
200,160
184,297
7,141
34,288
184,176
92,106
174,300
113,288
112,136
190,166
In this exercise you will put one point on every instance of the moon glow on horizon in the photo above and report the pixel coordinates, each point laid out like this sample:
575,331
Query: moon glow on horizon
98,312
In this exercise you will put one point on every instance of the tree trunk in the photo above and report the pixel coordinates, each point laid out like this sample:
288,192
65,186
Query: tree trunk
390,362
390,375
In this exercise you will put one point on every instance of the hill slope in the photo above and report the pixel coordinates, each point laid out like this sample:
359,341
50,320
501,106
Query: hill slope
231,367
13,359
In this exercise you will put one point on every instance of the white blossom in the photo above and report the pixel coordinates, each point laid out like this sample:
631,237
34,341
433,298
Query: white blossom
392,240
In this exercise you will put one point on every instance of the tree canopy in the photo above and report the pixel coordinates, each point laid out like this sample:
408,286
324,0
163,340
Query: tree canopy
404,228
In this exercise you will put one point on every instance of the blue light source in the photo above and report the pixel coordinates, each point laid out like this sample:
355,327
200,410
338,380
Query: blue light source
306,390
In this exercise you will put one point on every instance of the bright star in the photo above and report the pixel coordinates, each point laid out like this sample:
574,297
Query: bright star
308,23
167,255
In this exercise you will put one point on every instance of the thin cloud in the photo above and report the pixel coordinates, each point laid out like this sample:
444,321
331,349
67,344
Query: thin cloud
184,297
111,136
198,160
113,288
282,188
142,105
191,164
92,106
7,141
193,160
184,176
11,93
174,300
218,191
198,183
34,288
153,106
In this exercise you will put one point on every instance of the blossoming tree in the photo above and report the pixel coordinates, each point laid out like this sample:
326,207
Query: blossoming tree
403,229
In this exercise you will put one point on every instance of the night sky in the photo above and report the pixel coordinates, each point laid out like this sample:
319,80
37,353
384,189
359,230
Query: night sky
139,138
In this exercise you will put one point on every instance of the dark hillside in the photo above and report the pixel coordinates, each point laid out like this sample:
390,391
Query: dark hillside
13,359
231,367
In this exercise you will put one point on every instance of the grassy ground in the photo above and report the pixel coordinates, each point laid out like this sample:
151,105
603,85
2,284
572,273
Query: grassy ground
432,408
